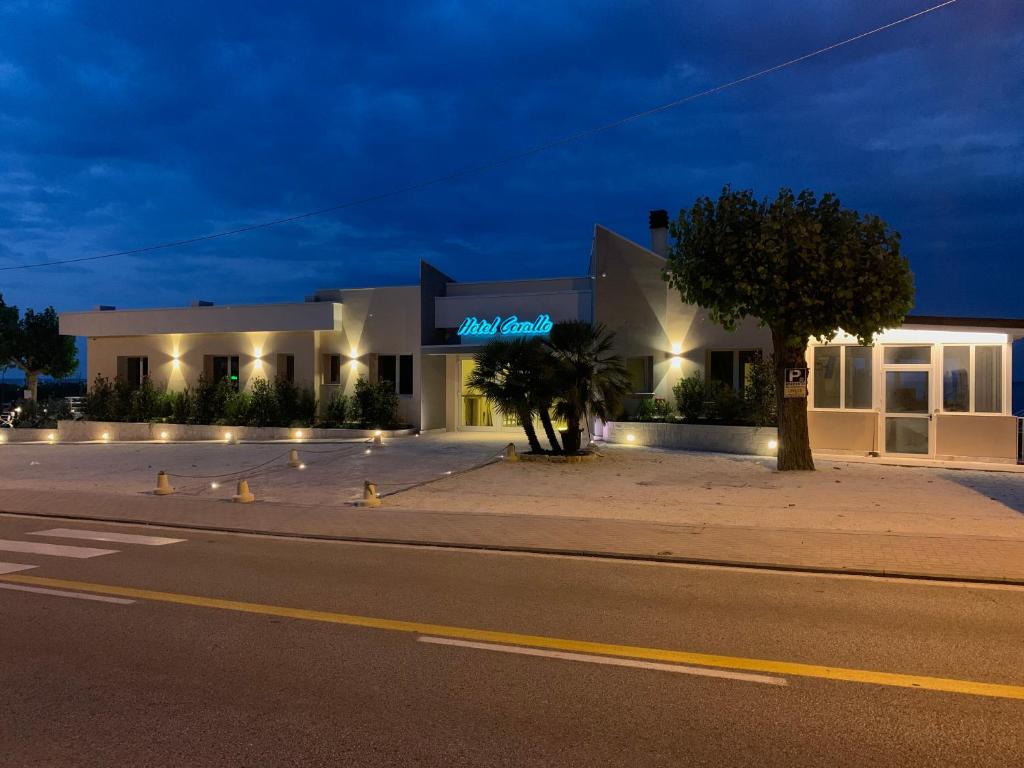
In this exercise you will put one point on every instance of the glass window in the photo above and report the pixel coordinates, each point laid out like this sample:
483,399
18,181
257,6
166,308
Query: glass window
858,377
826,377
405,375
906,391
956,375
334,369
226,367
641,373
387,369
908,355
720,367
988,379
286,368
746,359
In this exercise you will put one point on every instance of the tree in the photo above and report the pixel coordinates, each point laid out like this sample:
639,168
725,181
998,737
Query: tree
592,379
505,373
804,267
34,344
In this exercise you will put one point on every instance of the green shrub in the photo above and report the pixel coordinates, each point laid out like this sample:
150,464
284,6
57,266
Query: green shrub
98,404
287,396
237,409
723,404
691,394
262,405
378,403
207,403
337,411
760,391
654,409
180,406
145,403
306,406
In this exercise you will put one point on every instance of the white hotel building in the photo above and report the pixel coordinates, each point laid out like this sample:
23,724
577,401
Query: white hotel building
936,386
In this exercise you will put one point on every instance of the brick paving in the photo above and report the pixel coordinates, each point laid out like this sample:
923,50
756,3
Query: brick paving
963,557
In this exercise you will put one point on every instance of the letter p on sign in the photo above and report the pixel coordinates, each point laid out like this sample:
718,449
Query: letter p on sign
795,383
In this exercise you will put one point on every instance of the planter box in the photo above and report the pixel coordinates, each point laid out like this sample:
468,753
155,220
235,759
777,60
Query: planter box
87,431
750,441
26,435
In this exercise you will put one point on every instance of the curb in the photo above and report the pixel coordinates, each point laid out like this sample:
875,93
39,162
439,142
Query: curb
551,551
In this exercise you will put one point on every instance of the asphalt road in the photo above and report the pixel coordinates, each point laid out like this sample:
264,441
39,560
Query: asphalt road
230,650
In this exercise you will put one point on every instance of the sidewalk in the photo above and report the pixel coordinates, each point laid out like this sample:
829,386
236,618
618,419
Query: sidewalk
923,555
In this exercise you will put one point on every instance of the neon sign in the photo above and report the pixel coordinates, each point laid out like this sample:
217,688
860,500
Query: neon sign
507,326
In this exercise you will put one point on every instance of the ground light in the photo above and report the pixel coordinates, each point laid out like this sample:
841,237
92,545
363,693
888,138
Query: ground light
302,466
215,485
368,451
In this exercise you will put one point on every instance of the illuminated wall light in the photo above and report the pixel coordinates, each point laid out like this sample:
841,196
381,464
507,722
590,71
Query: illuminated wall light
677,361
3,437
377,433
105,436
227,436
51,437
630,437
163,435
298,434
773,444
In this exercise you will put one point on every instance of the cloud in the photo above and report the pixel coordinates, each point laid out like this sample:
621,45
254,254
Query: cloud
128,125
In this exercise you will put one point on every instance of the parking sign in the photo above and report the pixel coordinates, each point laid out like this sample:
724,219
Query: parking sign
795,383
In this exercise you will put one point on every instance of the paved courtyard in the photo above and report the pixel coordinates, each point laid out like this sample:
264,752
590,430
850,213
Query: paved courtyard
333,474
635,502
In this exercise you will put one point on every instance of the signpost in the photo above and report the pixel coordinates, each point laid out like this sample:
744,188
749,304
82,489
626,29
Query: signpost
795,383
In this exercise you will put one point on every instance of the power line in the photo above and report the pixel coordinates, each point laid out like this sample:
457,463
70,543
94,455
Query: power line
494,163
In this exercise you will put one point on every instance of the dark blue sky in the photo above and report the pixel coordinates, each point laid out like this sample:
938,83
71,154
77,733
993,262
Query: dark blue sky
124,124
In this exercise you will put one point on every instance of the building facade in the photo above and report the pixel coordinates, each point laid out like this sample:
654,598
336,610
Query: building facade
934,387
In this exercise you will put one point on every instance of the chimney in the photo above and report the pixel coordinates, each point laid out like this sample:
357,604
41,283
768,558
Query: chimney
659,232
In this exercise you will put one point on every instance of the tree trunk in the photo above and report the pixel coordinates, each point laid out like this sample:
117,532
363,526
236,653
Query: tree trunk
32,384
549,428
571,435
794,440
526,417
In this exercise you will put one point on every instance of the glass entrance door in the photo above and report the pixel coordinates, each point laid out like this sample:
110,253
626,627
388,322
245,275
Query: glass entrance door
907,411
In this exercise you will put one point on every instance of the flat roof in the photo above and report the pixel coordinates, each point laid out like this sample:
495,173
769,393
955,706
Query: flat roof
970,322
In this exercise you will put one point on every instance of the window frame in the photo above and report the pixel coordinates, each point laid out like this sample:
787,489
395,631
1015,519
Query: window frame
738,384
648,374
877,364
406,378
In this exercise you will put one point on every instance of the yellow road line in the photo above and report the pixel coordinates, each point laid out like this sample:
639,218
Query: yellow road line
844,674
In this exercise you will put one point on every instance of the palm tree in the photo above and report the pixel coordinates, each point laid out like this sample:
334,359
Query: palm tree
505,372
592,378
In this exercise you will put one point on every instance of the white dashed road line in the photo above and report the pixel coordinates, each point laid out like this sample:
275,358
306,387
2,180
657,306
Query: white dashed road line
65,593
609,660
14,567
116,538
54,550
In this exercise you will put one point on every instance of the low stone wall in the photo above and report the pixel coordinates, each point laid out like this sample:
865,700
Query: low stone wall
751,441
20,435
92,431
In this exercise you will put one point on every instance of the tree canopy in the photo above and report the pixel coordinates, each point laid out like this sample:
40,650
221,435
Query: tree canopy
804,267
34,344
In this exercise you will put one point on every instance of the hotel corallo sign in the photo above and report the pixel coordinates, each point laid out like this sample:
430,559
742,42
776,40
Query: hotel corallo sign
505,326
